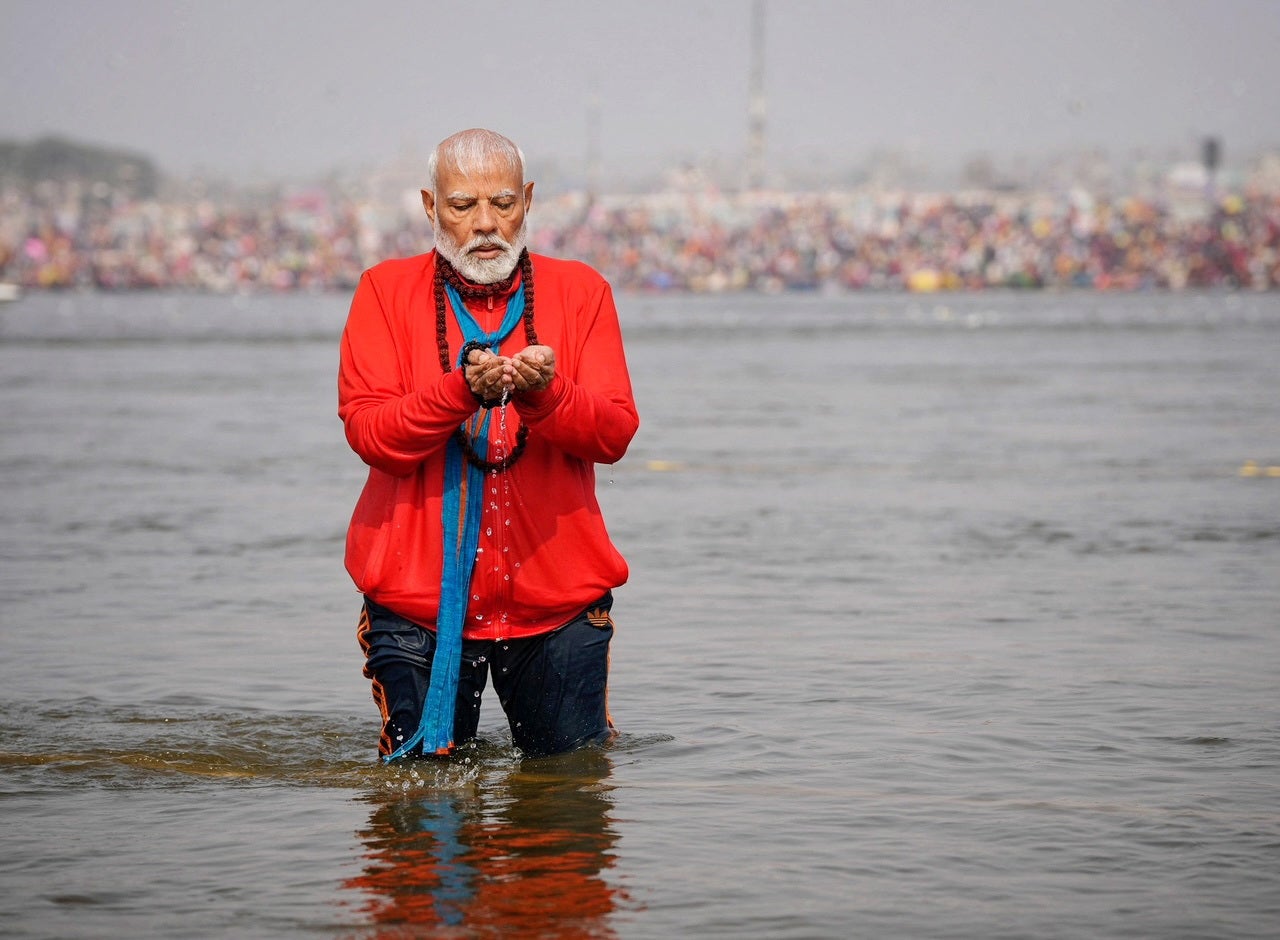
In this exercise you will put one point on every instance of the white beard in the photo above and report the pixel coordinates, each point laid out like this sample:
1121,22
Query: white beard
482,270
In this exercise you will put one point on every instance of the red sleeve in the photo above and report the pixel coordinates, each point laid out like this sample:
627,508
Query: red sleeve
389,422
593,415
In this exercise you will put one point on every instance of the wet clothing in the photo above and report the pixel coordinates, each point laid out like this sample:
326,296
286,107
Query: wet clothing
553,687
544,551
539,594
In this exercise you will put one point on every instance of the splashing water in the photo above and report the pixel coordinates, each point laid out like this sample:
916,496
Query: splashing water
503,511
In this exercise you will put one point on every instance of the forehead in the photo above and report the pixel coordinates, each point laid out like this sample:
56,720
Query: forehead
483,179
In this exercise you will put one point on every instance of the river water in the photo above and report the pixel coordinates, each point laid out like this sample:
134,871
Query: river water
950,617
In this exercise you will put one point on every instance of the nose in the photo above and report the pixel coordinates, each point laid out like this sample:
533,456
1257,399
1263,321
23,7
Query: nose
485,220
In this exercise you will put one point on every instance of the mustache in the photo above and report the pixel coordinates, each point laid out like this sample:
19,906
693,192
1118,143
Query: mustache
483,241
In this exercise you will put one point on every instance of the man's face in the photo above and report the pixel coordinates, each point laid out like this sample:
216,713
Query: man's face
479,219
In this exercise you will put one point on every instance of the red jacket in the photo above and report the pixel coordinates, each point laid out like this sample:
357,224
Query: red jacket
544,551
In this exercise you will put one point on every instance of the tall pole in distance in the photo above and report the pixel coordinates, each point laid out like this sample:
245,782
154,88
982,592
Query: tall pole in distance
1211,157
756,101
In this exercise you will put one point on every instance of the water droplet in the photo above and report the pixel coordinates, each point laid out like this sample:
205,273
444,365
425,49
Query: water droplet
506,577
488,530
476,694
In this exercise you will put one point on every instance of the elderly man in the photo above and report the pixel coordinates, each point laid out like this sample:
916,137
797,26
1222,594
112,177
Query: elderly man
481,385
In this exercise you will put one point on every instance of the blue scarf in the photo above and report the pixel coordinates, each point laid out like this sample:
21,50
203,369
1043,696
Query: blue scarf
463,507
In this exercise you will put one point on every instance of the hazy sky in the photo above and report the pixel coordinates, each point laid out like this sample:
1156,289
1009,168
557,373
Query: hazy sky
298,87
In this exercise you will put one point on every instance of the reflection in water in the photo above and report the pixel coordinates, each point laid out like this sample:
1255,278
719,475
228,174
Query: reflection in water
519,852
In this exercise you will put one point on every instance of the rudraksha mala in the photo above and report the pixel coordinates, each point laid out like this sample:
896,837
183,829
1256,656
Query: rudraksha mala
469,291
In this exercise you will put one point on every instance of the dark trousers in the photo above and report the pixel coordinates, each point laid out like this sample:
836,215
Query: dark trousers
552,686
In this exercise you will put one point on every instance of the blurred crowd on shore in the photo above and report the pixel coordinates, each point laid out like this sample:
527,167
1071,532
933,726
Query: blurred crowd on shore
78,236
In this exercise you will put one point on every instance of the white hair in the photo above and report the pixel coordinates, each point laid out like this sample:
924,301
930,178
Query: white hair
471,150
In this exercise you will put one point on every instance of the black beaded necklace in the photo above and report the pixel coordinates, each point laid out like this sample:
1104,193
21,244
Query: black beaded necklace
446,273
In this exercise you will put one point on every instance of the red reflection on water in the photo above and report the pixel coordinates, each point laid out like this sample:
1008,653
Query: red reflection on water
522,856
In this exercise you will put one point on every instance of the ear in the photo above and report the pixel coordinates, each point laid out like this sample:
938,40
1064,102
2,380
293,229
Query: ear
528,196
429,204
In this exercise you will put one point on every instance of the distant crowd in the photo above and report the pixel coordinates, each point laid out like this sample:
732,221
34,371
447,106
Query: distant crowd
68,236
